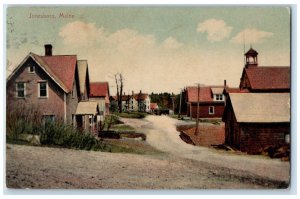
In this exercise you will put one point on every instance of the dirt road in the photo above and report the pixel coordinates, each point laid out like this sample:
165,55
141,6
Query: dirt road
182,166
161,134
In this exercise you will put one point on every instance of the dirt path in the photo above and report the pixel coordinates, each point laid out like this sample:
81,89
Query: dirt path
182,166
43,167
161,134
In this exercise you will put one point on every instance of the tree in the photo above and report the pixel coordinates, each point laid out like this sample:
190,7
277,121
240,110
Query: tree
119,83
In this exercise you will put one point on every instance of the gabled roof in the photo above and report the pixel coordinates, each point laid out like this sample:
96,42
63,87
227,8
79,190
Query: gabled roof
234,90
140,96
87,108
261,107
82,73
205,93
60,68
217,90
153,106
64,68
99,89
268,78
124,97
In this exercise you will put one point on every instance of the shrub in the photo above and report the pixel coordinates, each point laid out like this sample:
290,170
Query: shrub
59,134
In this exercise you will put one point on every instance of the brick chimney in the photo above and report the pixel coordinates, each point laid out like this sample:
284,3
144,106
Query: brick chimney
48,50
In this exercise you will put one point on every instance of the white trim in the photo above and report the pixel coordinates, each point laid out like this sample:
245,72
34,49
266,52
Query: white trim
22,63
17,90
65,108
31,72
39,89
213,112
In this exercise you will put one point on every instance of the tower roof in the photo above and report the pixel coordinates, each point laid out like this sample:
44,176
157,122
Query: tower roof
251,51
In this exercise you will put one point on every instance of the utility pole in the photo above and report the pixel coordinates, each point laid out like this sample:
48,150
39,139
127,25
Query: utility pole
197,119
173,103
179,111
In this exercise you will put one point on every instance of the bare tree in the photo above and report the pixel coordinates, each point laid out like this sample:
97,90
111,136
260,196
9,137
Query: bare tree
119,83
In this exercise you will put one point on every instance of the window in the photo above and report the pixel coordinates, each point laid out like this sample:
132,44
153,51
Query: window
211,110
31,69
20,89
219,97
43,92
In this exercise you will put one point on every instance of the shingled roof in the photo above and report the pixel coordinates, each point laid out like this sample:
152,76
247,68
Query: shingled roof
268,78
82,73
60,68
261,107
99,89
205,94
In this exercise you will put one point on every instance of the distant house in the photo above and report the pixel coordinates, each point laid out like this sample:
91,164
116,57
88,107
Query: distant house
52,84
211,101
256,120
153,107
100,93
139,102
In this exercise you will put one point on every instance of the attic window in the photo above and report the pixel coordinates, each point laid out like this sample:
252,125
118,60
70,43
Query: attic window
219,97
31,69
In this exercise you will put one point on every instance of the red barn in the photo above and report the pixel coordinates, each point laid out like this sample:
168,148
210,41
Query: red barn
254,121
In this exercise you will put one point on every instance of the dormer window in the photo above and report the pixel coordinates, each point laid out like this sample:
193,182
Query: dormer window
31,69
219,97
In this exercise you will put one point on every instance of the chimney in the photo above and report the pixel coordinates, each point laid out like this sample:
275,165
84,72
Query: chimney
48,50
132,93
140,91
225,85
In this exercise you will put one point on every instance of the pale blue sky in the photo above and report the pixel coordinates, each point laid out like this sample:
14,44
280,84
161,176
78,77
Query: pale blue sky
156,48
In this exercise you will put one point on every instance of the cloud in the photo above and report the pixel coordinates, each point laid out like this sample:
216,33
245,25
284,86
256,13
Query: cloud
251,36
81,33
216,30
171,43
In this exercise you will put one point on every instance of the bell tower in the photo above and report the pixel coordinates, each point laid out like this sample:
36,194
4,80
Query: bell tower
251,58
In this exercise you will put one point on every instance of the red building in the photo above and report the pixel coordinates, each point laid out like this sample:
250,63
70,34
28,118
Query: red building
257,114
100,93
211,101
254,121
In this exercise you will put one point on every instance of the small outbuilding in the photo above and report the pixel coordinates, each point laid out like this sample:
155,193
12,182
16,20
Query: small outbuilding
254,121
87,116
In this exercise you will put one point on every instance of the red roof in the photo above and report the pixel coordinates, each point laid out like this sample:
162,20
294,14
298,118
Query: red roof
140,96
60,67
205,94
266,78
153,106
235,90
99,89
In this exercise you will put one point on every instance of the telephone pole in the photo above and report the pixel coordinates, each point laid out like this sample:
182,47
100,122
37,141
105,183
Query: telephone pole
179,111
197,119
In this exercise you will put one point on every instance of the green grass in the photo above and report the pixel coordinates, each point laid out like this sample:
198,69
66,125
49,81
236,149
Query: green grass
137,115
122,128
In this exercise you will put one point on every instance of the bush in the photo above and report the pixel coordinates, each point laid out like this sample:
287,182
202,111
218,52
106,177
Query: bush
67,136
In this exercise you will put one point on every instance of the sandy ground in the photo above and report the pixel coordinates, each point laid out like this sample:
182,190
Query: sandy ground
182,166
161,134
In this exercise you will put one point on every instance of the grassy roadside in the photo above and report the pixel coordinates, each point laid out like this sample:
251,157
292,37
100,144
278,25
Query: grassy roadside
137,115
